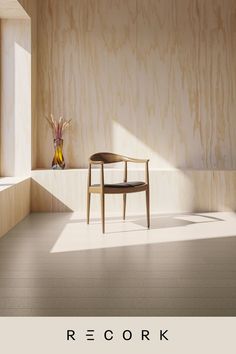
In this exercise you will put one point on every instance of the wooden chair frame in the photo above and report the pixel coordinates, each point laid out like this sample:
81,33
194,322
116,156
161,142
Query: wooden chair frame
105,158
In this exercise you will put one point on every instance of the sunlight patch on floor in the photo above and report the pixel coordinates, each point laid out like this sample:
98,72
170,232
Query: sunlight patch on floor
77,235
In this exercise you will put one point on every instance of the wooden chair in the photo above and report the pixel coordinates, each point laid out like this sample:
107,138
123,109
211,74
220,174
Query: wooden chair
124,188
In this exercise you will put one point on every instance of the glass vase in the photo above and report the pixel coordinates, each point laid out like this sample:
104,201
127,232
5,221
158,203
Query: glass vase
58,162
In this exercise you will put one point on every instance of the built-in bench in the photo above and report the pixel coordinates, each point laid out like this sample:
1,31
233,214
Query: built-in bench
172,191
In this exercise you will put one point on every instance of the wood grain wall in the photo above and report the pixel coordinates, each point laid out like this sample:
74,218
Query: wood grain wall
14,202
151,78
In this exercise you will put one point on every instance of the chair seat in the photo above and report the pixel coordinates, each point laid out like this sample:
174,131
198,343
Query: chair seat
121,185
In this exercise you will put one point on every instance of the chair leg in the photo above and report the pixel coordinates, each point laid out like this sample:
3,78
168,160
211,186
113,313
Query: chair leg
103,212
88,206
124,206
148,208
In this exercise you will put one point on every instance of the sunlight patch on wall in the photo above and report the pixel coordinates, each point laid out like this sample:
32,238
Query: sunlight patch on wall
126,143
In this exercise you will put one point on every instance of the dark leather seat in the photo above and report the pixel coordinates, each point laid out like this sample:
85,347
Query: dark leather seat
121,185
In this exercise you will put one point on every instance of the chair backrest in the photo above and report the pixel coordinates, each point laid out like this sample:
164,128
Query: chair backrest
107,157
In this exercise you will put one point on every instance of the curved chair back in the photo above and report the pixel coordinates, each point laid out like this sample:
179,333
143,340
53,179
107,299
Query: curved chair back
107,157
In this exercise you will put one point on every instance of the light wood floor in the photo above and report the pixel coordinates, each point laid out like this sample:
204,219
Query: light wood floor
56,265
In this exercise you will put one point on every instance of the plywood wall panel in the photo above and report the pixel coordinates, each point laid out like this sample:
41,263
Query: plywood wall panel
14,204
145,78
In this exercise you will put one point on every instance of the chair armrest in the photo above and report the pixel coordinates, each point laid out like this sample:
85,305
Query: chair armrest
146,161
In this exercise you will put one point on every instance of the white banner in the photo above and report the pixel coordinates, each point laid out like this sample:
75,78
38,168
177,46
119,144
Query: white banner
162,335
